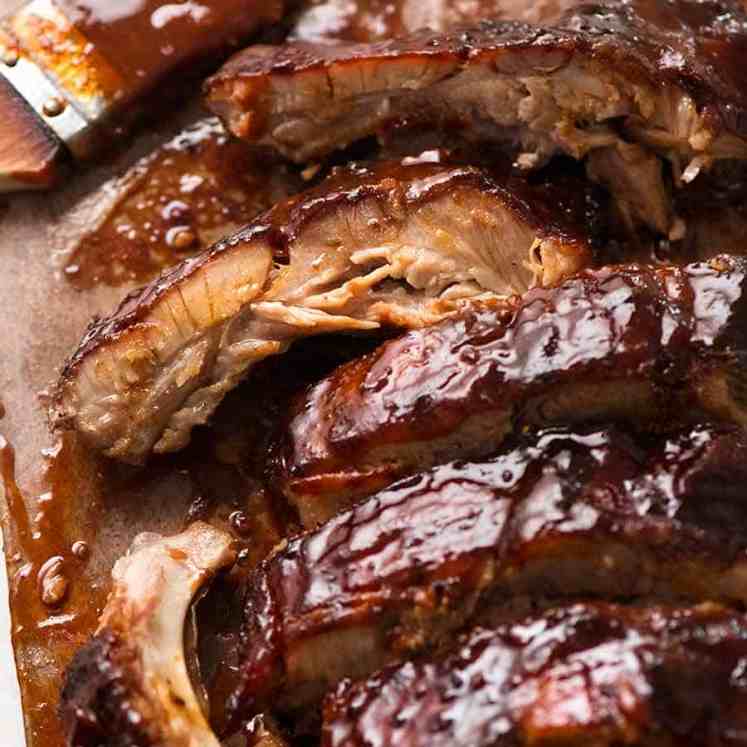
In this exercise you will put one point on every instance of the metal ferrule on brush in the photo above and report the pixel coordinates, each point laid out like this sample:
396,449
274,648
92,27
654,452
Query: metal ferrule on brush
64,86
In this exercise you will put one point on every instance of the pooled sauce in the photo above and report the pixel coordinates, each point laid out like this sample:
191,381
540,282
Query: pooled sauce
54,602
197,188
65,531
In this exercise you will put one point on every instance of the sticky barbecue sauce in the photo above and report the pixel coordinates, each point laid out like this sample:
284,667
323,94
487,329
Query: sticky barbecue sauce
145,40
193,190
333,21
55,602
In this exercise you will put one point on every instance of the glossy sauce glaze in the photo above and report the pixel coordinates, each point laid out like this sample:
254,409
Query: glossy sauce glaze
643,54
403,245
282,225
200,186
144,40
454,390
591,512
594,673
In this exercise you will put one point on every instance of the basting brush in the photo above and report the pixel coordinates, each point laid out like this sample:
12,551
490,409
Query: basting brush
74,74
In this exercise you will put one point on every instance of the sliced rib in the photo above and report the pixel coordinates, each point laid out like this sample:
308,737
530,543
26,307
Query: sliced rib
589,674
585,513
130,684
389,245
650,345
622,83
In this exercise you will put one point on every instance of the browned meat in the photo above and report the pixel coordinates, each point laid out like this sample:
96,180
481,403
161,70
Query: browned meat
390,245
714,207
586,513
332,21
648,345
589,674
624,83
129,686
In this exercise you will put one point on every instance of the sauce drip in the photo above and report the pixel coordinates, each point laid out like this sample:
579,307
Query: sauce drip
53,583
54,604
81,550
195,189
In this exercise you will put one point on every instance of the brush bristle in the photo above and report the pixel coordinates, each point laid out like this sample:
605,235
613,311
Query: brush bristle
29,150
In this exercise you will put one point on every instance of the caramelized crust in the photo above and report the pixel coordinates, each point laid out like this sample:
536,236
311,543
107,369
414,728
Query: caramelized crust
622,83
586,513
104,683
638,343
590,674
130,685
695,46
388,245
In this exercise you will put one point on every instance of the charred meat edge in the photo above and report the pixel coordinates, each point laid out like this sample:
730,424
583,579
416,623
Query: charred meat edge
130,685
647,344
585,674
566,513
624,84
393,245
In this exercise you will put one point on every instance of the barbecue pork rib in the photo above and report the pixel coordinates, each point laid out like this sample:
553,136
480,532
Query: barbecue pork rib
129,686
587,674
386,245
566,513
645,344
624,84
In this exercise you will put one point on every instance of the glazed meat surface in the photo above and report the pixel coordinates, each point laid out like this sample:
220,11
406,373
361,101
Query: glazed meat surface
129,686
639,343
588,674
386,245
621,84
331,21
584,513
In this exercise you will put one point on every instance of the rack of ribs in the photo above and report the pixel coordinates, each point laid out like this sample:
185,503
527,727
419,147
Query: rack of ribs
563,513
623,86
645,344
385,245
